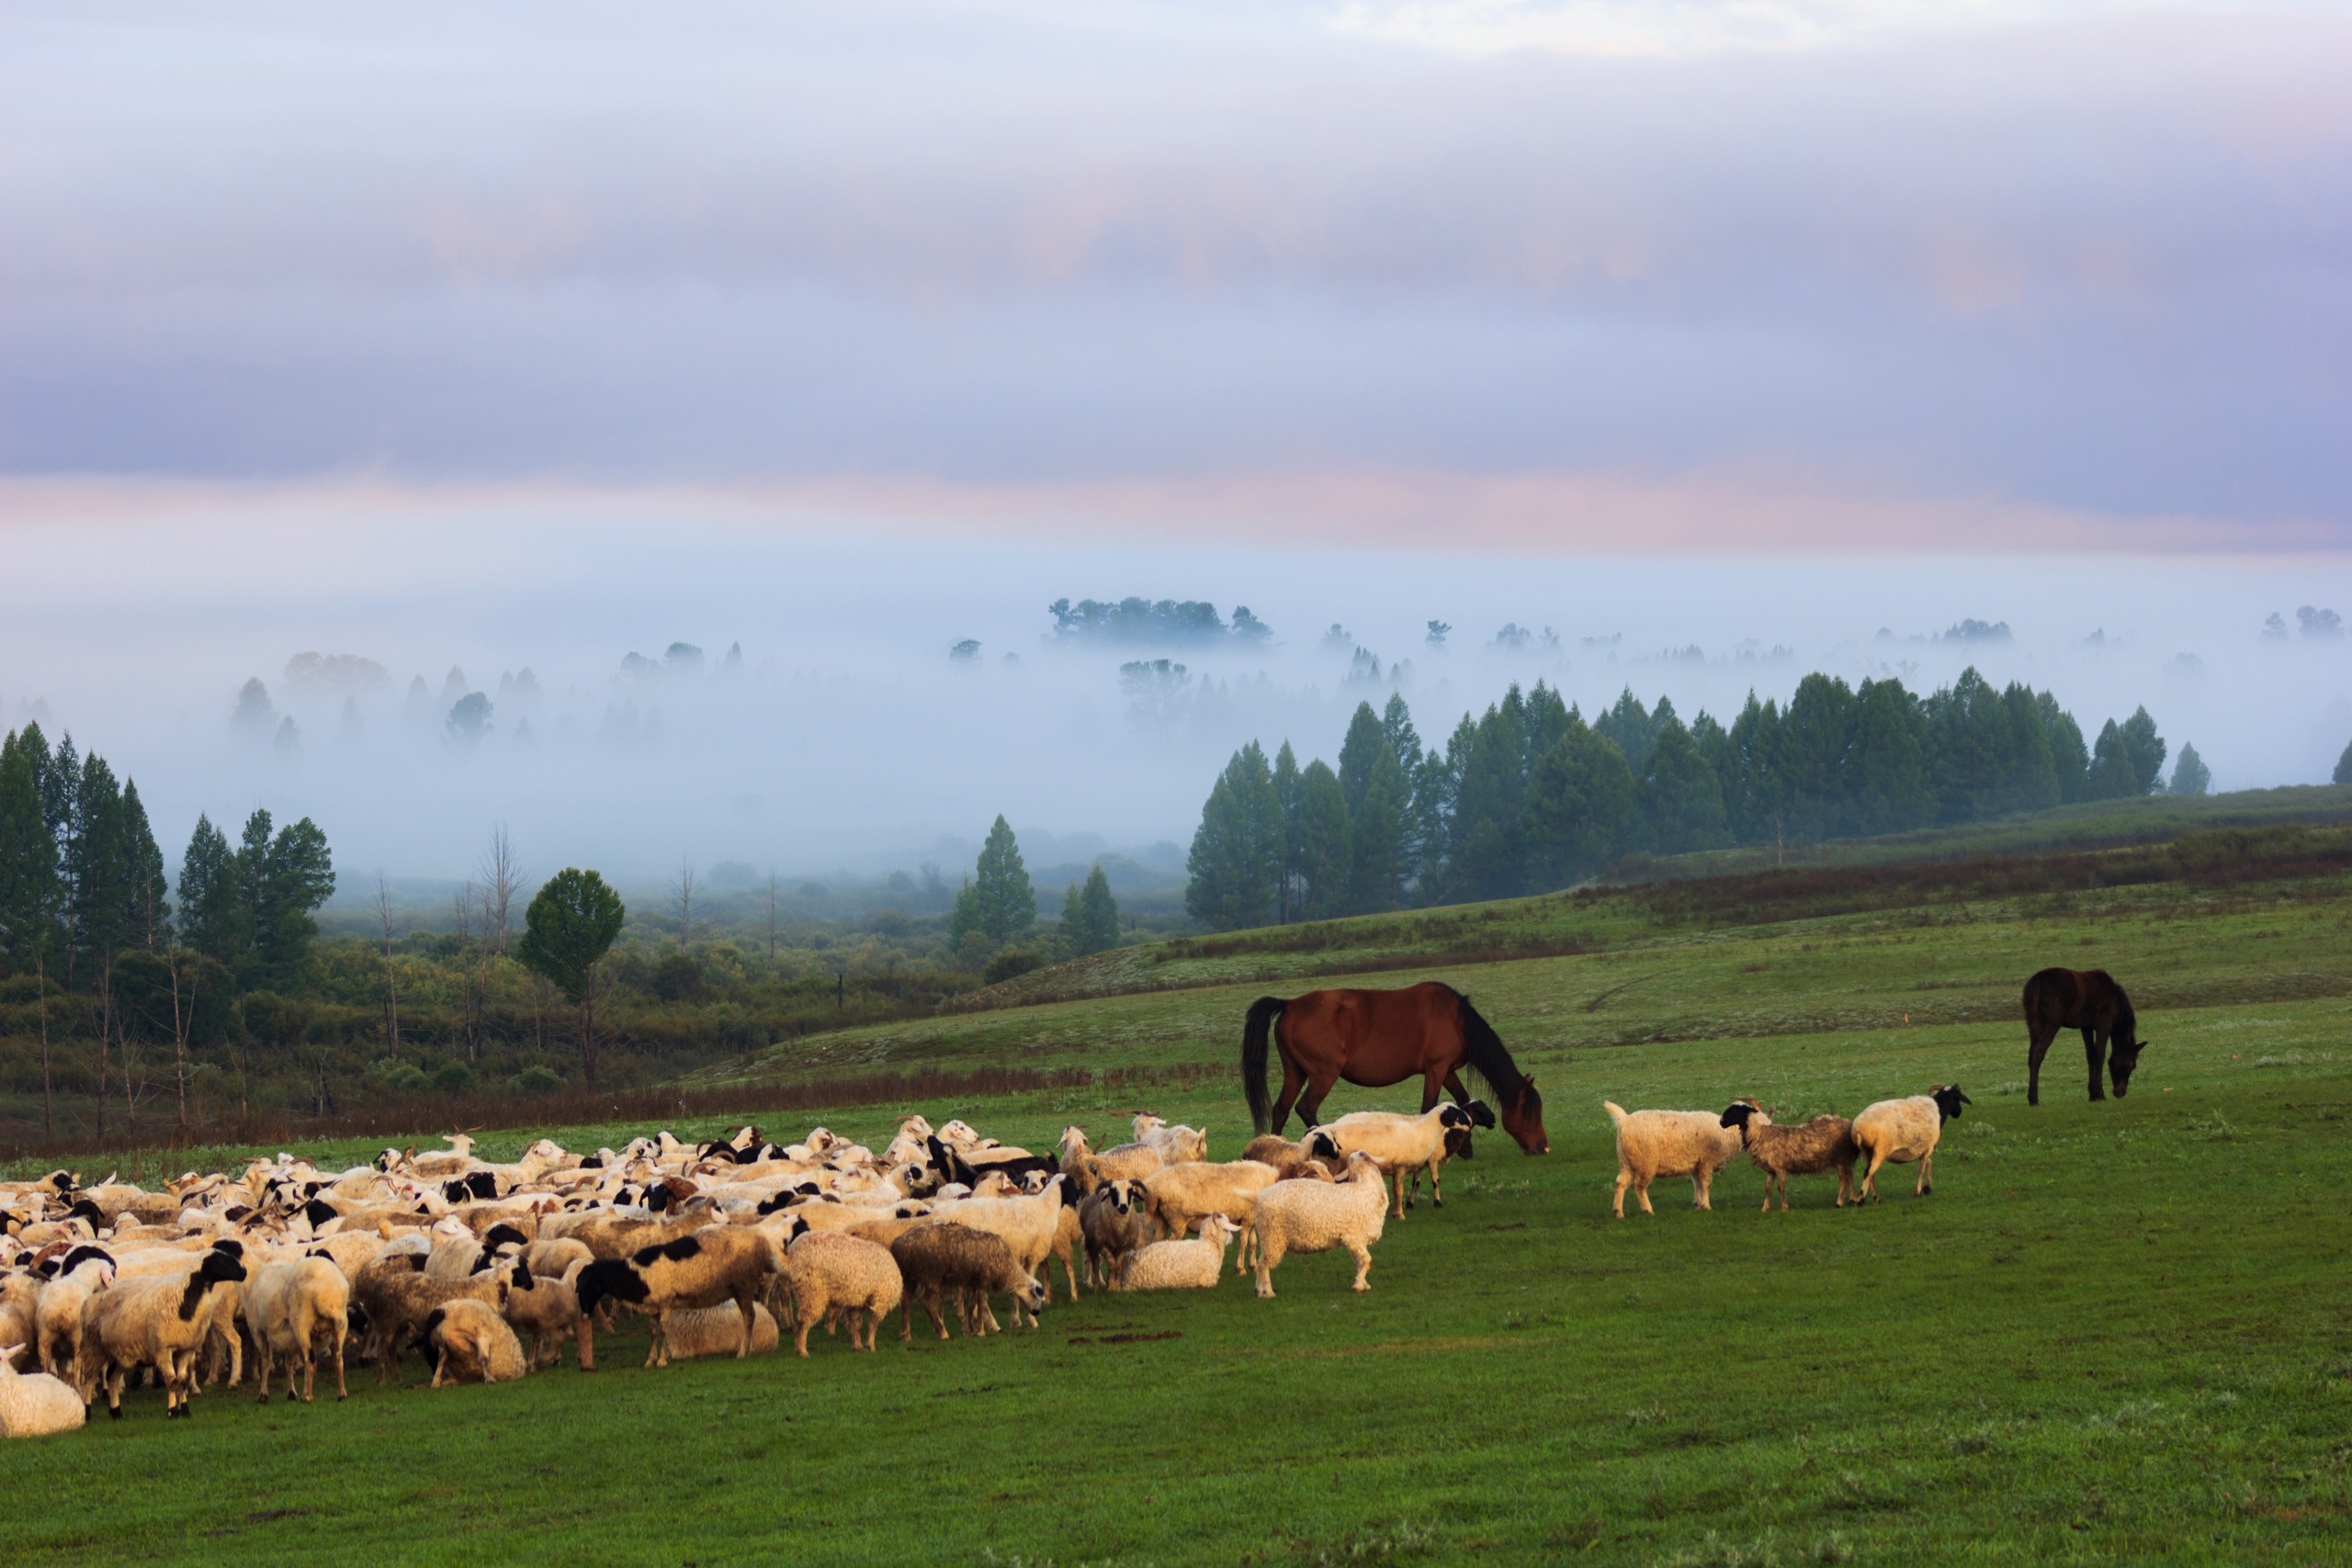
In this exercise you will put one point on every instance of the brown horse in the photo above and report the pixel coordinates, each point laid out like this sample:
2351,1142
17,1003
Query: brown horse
2090,1001
1376,1038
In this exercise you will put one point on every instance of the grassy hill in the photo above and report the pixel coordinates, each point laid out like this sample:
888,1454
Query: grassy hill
2113,1333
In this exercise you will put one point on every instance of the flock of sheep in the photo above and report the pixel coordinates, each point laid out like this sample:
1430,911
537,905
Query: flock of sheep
1698,1144
469,1260
721,1243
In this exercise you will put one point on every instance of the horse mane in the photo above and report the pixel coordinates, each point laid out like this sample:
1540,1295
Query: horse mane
1487,1055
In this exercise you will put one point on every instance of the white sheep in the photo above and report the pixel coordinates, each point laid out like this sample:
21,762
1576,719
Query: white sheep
291,1309
1176,1144
1651,1144
160,1321
34,1404
472,1344
1401,1143
832,1273
717,1331
1182,1265
1315,1216
57,1320
1896,1131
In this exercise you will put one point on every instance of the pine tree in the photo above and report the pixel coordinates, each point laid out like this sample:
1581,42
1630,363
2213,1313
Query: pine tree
211,910
2110,771
2070,759
1752,789
2343,774
29,874
1815,742
1484,856
2143,750
278,881
2189,775
1324,861
1377,840
1886,773
1681,801
1008,904
1581,811
1631,726
1097,913
1366,741
1237,853
1287,797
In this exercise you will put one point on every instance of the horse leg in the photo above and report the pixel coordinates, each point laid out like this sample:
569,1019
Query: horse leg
1294,1080
1319,1088
2040,1038
2095,1050
1432,1085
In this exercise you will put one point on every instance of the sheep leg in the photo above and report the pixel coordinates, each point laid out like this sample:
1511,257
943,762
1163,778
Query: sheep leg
341,1393
657,1353
1270,1252
115,1377
584,1329
1399,1212
1870,1179
1363,1264
1437,1184
1926,1185
1703,1181
1062,1251
743,1303
262,1359
800,1333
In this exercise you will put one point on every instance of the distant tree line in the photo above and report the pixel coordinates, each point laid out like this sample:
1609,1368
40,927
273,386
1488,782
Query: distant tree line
1531,797
1147,620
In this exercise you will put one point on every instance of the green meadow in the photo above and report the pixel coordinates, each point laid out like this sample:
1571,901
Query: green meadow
2114,1332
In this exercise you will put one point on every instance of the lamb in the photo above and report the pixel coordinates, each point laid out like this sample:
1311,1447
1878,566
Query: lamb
470,1343
1896,1131
722,1263
546,1306
34,1404
161,1321
1088,1170
830,1272
1181,1196
1651,1144
1825,1143
290,1308
1401,1142
1182,1265
937,1259
57,1318
1116,1224
1307,1216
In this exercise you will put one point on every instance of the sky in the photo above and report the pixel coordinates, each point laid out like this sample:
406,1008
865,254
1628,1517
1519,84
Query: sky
542,333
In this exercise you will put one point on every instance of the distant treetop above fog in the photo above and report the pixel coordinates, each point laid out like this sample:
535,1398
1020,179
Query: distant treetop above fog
1144,620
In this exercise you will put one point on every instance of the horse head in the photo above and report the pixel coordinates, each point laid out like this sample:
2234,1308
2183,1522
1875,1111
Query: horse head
1524,1118
2122,1061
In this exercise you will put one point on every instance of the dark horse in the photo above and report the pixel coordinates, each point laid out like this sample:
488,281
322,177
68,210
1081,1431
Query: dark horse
2090,1001
1376,1038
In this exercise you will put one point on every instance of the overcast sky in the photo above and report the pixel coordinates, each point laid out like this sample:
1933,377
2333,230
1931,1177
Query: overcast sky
535,333
2087,257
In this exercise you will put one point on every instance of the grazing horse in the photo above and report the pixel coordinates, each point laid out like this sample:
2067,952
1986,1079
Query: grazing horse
2090,1001
1376,1038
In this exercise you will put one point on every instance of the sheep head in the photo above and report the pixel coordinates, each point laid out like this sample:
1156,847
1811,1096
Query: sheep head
1948,1099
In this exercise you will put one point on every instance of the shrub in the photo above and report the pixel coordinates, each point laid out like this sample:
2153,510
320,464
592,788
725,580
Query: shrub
455,1078
1012,961
537,1080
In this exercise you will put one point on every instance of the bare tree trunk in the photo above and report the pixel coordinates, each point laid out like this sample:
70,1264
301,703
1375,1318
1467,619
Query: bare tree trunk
391,982
588,1028
684,888
771,916
179,1042
501,876
462,904
40,980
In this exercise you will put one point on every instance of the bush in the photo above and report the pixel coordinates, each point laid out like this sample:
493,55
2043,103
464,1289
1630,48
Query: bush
455,1079
537,1080
678,978
1012,961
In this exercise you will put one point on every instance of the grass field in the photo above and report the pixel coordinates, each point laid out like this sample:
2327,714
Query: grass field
2113,1333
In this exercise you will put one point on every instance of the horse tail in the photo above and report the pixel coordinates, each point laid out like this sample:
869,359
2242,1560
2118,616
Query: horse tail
1487,1055
1254,1033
